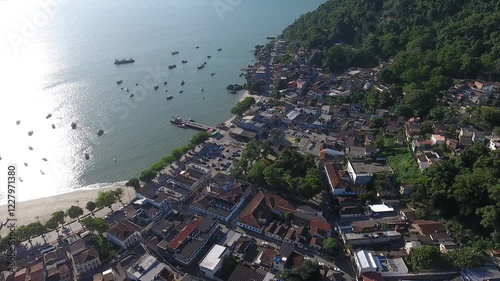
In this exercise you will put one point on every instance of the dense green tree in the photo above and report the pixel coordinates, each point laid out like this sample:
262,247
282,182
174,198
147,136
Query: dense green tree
426,258
134,182
148,175
58,217
95,224
330,246
105,199
118,194
91,206
74,212
242,106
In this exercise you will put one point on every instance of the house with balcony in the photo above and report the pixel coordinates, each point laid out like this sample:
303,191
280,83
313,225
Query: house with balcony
86,262
125,234
259,211
189,242
222,204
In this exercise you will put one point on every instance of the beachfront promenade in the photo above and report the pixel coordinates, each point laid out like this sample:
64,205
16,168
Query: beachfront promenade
71,227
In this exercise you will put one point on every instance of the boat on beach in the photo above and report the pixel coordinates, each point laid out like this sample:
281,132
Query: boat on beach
122,61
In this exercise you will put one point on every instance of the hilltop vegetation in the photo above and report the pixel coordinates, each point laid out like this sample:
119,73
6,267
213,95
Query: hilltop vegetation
429,41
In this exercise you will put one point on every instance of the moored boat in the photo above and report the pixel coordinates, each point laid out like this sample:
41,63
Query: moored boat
184,61
182,82
175,52
122,61
100,132
172,66
73,125
220,49
48,116
30,133
156,87
201,66
170,97
119,82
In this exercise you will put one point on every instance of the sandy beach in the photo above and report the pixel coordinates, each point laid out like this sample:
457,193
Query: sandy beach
28,211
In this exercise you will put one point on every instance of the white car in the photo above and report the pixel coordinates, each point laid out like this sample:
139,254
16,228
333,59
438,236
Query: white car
337,269
263,243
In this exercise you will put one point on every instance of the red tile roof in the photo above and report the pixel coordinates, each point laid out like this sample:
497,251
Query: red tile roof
333,174
123,229
372,276
262,204
87,256
428,227
321,227
181,236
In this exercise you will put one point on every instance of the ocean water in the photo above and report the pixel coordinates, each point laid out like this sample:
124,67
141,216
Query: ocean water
56,56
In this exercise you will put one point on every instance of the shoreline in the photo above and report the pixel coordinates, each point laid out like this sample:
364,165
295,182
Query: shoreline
44,207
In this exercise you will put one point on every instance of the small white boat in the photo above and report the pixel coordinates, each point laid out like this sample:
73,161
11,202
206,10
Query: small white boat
114,159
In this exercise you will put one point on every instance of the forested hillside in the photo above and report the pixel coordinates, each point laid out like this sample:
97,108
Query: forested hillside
430,41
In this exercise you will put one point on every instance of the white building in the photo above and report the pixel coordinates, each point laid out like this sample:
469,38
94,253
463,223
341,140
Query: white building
362,172
213,261
86,261
124,234
366,262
